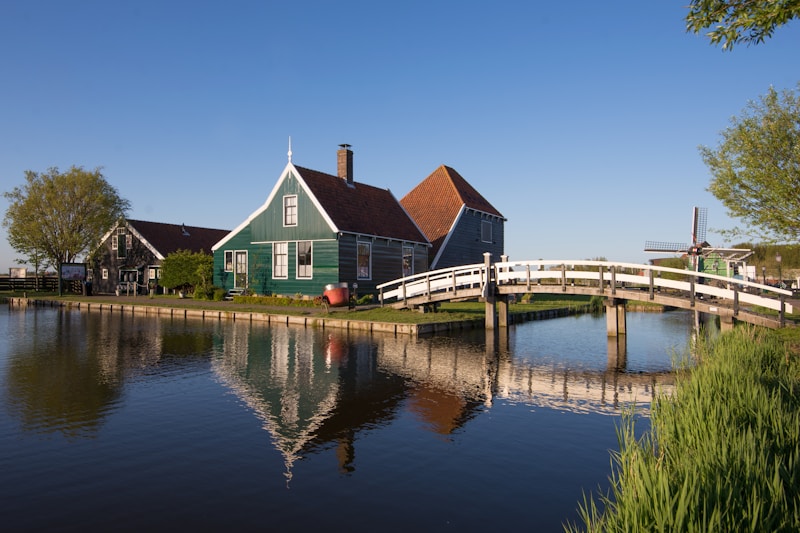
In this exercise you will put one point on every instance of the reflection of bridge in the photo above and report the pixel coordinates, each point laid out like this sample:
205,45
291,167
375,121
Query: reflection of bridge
312,388
730,299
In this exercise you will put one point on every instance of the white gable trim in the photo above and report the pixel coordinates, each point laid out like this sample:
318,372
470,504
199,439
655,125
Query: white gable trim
135,233
145,242
290,168
447,237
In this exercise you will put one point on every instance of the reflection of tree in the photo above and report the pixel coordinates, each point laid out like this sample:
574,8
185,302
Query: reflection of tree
71,373
59,385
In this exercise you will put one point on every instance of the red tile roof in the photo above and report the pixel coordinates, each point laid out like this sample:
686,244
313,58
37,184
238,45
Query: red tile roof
168,238
361,208
436,201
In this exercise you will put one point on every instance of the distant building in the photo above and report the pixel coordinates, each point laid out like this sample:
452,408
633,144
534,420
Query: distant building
130,254
460,223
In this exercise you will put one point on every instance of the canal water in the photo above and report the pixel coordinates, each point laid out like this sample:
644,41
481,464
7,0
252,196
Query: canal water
125,422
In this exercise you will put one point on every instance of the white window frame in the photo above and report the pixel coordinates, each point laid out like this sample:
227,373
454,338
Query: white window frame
280,270
290,210
237,254
308,270
364,274
104,274
227,261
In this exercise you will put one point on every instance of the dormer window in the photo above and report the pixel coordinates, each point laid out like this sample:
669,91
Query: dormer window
290,210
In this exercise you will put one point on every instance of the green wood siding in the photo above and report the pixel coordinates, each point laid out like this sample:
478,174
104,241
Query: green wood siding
387,262
465,246
240,241
268,226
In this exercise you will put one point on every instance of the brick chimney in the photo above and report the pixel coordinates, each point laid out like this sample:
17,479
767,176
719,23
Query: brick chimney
344,160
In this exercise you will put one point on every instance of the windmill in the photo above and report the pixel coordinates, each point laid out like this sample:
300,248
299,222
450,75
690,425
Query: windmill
693,250
735,259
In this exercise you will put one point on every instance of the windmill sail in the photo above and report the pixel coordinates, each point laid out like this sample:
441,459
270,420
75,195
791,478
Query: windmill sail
699,218
658,246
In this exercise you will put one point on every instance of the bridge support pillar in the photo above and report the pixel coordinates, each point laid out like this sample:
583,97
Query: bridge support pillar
489,293
726,322
615,317
502,311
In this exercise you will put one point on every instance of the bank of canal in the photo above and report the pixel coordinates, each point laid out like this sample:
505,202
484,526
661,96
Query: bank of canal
334,318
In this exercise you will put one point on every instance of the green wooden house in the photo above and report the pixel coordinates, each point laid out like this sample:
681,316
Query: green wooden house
317,229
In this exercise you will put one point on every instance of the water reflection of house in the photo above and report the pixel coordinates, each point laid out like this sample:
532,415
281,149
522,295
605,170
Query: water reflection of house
314,388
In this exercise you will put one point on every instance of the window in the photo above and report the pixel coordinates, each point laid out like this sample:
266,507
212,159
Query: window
228,261
240,275
304,268
105,273
364,260
290,210
280,260
408,261
486,230
117,243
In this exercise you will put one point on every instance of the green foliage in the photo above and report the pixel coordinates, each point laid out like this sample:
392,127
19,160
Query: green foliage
723,452
674,262
188,271
283,301
735,21
756,168
55,217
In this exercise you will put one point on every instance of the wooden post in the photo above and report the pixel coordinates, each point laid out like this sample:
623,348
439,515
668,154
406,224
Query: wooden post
502,310
652,285
615,317
488,292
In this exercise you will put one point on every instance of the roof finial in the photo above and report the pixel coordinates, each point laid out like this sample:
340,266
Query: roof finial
290,149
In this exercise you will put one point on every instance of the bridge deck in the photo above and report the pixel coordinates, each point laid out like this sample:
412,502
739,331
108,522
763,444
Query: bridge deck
708,293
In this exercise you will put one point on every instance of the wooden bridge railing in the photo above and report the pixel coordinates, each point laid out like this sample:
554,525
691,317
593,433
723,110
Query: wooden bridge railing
523,276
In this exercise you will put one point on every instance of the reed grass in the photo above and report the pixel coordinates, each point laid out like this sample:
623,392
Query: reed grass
722,452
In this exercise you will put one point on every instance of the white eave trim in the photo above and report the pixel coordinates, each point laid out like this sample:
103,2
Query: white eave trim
449,234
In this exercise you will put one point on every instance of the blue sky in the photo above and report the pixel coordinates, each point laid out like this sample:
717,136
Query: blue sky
579,121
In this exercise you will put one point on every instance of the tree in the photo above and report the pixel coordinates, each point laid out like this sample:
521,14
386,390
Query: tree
740,21
756,168
61,215
187,270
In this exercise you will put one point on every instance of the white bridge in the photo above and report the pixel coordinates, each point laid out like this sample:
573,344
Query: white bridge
732,299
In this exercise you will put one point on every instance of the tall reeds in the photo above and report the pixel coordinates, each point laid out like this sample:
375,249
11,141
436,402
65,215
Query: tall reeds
723,450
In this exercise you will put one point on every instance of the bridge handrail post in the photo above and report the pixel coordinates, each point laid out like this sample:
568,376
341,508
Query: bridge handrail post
404,289
783,308
691,290
651,275
601,282
563,277
380,296
428,286
613,271
455,289
528,277
735,300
